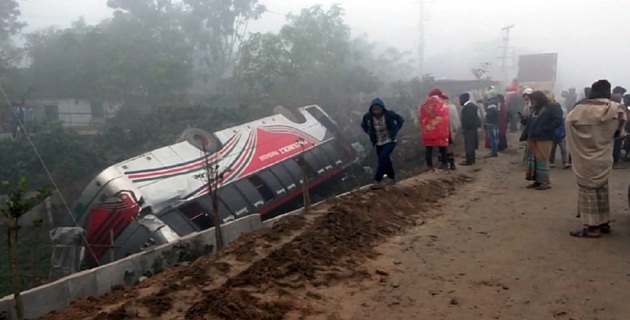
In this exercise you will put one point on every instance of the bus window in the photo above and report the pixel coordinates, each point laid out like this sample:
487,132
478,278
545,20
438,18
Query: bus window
234,201
293,169
272,181
333,154
177,221
249,191
265,192
206,203
198,215
323,162
346,151
284,175
313,164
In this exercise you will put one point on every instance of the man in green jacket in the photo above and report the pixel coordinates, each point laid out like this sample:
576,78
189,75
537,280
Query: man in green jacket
470,126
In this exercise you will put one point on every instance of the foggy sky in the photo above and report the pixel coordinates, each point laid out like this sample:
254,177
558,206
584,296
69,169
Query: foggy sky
588,35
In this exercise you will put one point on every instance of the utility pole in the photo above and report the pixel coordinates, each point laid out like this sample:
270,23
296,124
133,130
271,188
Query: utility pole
421,38
506,48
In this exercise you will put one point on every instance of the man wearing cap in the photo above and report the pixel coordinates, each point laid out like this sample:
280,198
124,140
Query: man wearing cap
591,127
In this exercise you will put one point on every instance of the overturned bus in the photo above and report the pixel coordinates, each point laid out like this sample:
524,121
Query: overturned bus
162,195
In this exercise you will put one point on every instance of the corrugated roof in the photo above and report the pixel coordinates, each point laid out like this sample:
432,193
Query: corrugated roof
537,67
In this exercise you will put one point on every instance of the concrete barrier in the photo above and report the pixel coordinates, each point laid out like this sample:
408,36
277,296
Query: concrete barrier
99,281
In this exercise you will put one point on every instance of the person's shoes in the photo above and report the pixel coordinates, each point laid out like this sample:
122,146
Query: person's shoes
377,185
605,228
534,185
553,165
465,163
445,167
492,155
567,166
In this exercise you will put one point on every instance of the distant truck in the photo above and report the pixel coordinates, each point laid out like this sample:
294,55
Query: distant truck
538,71
162,195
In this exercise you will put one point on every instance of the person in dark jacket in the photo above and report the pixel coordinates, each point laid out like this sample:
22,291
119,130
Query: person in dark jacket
492,126
382,126
540,130
470,126
559,141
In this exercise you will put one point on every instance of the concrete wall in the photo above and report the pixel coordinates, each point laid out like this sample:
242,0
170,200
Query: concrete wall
98,281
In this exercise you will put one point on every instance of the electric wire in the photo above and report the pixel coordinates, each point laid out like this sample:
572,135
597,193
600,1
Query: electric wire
52,180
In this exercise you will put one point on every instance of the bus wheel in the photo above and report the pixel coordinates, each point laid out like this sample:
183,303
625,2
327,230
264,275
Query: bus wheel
201,140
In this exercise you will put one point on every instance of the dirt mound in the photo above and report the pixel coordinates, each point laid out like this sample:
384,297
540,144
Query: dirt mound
276,273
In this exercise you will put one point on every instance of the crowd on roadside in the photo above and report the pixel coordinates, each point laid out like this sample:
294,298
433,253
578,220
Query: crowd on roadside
590,134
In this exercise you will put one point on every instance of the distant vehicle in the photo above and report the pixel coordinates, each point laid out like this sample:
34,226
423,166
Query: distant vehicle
162,195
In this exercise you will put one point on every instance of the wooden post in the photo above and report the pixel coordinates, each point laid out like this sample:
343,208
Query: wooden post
15,269
305,190
213,179
111,245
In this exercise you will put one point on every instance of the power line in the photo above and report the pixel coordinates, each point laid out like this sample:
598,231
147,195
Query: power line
41,160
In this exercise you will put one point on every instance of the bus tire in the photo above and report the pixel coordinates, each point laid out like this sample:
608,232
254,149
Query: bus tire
201,140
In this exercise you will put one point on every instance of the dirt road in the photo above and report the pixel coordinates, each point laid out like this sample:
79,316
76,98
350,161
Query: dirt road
468,245
501,251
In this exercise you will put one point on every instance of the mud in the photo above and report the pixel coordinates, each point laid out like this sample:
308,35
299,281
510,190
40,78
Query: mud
276,273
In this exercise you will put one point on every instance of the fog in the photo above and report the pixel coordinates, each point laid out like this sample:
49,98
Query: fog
586,34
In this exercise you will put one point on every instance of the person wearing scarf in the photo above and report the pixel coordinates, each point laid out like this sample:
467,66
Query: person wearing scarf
592,126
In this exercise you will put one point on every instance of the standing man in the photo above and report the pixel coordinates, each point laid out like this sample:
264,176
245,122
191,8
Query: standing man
591,128
617,96
470,126
492,127
382,126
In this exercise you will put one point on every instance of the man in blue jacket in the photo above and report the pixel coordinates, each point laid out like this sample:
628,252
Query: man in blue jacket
382,126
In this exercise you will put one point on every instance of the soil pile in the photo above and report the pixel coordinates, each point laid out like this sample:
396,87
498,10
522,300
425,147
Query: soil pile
276,273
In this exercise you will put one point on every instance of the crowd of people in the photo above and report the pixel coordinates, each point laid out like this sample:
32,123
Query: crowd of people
590,134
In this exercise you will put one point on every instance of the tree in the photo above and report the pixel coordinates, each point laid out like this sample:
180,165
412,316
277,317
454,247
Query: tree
212,29
214,178
17,204
308,61
9,26
119,60
71,159
9,19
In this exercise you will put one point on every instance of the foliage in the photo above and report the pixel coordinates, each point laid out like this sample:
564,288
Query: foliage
70,159
308,61
9,19
114,61
18,203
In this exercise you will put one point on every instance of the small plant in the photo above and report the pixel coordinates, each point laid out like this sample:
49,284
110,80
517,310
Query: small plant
16,205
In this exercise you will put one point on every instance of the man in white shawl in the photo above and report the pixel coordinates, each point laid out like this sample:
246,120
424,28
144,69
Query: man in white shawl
592,126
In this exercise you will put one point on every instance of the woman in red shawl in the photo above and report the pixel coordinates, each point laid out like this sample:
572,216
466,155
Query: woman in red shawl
433,115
